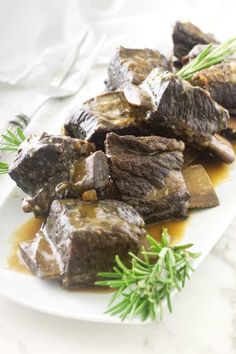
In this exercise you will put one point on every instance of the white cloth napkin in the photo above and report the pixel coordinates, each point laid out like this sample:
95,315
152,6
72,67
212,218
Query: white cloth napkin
36,35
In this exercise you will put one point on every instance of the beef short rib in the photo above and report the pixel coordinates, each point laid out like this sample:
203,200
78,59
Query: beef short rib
90,180
109,112
50,167
133,65
182,111
85,237
220,81
186,36
45,158
147,174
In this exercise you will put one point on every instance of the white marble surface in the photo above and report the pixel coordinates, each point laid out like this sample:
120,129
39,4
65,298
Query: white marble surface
204,318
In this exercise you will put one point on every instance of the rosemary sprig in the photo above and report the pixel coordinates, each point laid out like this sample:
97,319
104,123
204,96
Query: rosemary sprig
142,287
209,56
3,168
10,141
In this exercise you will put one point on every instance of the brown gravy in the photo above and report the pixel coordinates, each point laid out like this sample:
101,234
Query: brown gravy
216,170
25,232
176,229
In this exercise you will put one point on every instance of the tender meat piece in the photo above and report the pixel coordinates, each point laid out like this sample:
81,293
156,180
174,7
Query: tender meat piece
186,36
40,158
230,131
39,204
109,112
138,97
86,237
133,65
91,177
180,110
220,81
201,190
222,148
42,163
40,257
89,180
147,174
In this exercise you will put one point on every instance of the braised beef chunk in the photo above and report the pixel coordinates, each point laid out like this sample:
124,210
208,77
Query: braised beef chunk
186,36
86,237
133,65
45,157
220,81
103,114
40,202
90,179
147,174
183,111
43,162
221,148
40,257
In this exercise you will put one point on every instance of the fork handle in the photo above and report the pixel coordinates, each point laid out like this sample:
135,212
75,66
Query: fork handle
22,119
19,120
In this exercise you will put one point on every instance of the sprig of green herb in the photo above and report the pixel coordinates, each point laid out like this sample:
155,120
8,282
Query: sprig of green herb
141,289
3,168
211,55
10,141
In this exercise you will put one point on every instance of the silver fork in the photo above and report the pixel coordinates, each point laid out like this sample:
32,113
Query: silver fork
59,87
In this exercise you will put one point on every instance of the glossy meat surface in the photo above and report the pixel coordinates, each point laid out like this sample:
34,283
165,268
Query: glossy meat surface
41,163
86,237
220,81
147,174
133,65
109,112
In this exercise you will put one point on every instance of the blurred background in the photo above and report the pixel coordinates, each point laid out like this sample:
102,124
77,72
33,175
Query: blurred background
36,35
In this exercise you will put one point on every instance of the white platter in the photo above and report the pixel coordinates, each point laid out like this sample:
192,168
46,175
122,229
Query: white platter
204,229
